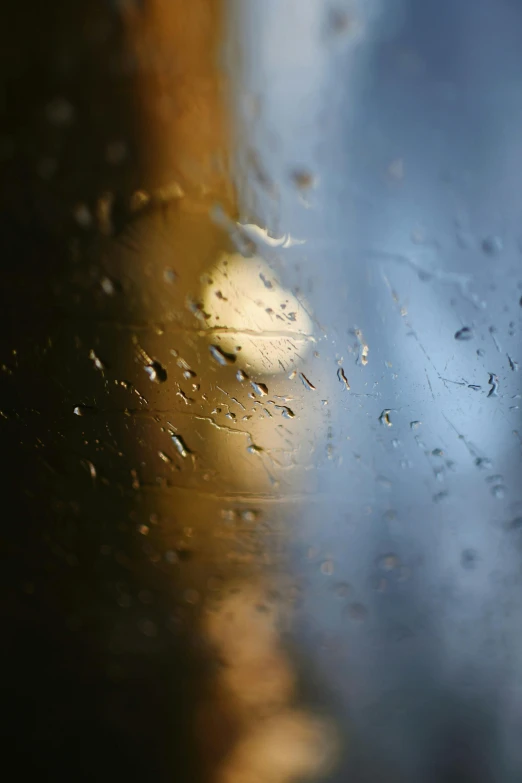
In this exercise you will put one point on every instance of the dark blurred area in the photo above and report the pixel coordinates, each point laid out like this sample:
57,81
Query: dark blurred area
86,692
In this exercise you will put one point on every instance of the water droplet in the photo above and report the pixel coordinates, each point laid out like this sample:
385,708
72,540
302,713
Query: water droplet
82,215
266,282
85,410
90,467
483,463
96,361
220,356
248,515
286,412
186,400
493,382
492,245
342,377
439,474
180,445
327,567
127,385
164,457
414,425
261,389
302,179
197,310
306,383
340,21
388,562
498,491
464,334
241,376
469,558
384,418
188,372
156,372
342,589
363,349
108,286
516,523
356,611
138,200
437,453
512,364
253,449
261,235
396,169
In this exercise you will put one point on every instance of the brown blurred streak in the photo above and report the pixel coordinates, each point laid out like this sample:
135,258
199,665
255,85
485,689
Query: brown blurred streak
180,93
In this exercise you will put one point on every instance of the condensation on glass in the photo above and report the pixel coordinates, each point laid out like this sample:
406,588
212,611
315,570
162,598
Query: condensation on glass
284,382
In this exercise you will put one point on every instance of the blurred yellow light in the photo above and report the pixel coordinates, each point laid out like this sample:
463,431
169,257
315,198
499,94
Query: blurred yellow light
249,308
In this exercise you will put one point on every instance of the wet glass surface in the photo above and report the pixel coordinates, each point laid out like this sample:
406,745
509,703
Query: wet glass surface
260,391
